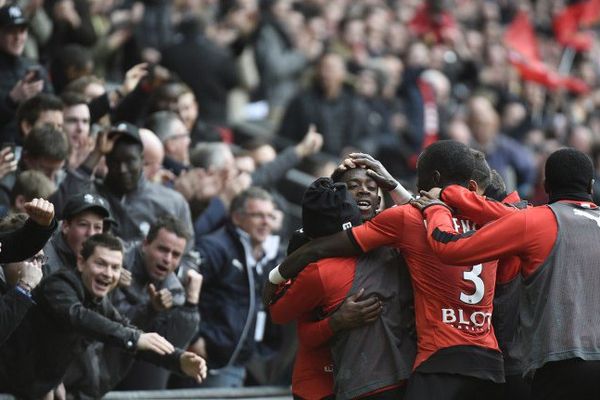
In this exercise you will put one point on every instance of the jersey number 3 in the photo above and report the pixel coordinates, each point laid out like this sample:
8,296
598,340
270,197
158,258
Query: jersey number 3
473,276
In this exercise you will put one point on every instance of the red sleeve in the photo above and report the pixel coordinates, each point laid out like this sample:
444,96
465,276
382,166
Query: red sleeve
502,238
314,333
474,207
304,294
383,230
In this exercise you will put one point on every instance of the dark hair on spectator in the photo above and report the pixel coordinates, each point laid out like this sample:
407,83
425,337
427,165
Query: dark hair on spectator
497,188
568,171
481,170
71,99
238,204
12,222
46,141
166,94
161,122
70,56
452,159
32,184
80,84
31,109
170,223
106,240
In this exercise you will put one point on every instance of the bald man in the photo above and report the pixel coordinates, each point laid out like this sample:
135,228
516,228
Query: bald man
154,153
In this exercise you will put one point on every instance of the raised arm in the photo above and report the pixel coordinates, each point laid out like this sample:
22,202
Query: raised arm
479,209
502,238
25,242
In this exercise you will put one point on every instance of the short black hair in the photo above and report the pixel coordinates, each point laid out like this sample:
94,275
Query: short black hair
568,171
31,109
481,170
169,223
46,141
453,160
100,240
497,188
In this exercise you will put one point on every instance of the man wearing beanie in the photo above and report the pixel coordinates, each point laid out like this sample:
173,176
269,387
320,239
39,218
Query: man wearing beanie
557,245
334,358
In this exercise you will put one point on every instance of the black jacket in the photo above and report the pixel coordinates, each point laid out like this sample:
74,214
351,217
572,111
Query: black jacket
13,304
225,299
65,321
12,70
342,121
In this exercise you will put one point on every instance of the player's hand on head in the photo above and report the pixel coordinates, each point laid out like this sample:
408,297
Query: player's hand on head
375,170
40,211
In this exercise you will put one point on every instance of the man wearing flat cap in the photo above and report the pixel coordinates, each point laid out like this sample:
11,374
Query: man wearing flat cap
21,78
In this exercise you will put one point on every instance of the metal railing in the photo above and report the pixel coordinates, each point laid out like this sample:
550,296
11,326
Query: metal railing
258,392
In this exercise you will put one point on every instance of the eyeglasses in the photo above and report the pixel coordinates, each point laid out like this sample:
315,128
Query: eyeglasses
42,259
258,215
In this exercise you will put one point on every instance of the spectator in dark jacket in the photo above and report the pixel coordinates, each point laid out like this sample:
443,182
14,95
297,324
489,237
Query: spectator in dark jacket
73,310
206,68
21,78
236,261
16,300
513,161
156,300
338,113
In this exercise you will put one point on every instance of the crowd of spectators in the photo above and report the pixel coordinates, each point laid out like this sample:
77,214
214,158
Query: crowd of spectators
189,129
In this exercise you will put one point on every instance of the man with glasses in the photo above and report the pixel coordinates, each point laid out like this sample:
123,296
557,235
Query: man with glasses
22,239
236,261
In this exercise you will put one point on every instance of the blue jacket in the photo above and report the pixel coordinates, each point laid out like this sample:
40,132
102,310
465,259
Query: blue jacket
225,298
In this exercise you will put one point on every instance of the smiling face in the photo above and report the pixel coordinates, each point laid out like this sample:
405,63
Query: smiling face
256,219
101,271
364,190
80,227
12,40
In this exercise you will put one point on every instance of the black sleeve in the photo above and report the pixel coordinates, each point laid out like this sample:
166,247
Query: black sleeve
13,307
99,107
168,361
60,297
132,107
25,242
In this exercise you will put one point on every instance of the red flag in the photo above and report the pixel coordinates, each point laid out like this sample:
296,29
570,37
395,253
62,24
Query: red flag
566,24
590,14
524,56
520,37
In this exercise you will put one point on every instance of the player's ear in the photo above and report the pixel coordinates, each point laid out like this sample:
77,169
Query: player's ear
437,177
591,187
472,186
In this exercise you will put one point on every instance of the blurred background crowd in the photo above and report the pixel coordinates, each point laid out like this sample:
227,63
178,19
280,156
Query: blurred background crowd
235,95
